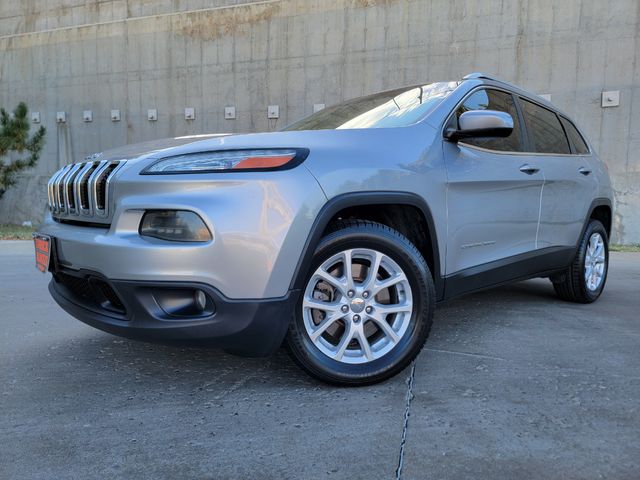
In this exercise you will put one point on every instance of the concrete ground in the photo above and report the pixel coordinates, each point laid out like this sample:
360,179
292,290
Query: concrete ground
513,383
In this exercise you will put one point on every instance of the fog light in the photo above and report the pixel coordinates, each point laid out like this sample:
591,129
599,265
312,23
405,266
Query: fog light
174,226
201,300
183,302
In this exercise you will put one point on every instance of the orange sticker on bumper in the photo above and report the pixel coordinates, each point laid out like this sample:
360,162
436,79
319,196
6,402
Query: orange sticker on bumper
43,250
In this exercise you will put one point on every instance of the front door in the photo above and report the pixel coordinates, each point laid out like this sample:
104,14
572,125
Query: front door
493,193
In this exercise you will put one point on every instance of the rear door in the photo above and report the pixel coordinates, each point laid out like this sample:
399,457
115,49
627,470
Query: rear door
569,184
493,190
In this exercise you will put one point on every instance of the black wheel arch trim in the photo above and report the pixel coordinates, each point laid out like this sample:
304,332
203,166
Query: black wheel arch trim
357,199
598,202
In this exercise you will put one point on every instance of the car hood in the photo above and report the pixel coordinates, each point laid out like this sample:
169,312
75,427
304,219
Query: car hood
350,145
203,143
311,139
152,147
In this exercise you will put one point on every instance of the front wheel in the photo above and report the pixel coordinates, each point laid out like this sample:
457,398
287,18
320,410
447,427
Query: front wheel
367,306
583,281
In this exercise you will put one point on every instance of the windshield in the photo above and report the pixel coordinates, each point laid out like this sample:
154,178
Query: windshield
394,108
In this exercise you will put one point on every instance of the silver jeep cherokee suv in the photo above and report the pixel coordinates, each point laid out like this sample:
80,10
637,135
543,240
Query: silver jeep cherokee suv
337,235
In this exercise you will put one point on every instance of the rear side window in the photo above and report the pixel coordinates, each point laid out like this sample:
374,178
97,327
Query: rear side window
547,135
579,145
488,99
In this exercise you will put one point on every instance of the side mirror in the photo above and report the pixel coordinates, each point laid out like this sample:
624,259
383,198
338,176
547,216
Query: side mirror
481,123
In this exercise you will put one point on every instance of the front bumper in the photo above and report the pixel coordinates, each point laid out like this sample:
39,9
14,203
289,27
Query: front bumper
259,224
131,309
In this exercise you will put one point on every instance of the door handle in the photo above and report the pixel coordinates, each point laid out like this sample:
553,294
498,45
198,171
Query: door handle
529,169
584,171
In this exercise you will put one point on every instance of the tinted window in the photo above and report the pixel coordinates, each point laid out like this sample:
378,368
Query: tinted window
544,127
493,100
579,145
395,108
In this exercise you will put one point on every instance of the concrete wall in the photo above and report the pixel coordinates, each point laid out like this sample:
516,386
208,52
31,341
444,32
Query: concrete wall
75,55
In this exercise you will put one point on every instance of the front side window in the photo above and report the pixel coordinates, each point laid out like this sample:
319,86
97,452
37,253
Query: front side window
547,135
579,145
395,108
488,99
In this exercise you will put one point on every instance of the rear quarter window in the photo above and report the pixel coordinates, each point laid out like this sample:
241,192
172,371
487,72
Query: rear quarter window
579,145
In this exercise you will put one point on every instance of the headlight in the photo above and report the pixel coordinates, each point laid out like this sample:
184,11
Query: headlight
228,160
174,226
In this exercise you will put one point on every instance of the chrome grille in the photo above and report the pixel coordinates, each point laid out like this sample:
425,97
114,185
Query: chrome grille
80,191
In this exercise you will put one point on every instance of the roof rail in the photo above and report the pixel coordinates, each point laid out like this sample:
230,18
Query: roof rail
475,75
483,76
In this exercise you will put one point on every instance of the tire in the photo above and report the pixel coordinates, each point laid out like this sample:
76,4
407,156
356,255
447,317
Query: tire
573,285
367,330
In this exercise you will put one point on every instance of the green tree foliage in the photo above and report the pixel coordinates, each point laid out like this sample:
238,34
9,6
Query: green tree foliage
14,137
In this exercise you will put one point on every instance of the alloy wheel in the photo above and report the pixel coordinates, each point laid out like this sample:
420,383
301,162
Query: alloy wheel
357,306
594,262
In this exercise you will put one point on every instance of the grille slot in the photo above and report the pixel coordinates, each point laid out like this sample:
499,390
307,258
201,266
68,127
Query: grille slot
101,186
78,286
84,187
54,190
70,196
60,194
80,192
110,295
92,291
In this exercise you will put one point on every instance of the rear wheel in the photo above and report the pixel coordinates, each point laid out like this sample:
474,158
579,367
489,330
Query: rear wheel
367,306
584,280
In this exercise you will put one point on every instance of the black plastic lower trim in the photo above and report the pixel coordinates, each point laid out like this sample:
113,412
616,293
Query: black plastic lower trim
245,327
538,263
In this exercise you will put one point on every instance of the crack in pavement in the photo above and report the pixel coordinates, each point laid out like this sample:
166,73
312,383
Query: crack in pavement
467,354
407,413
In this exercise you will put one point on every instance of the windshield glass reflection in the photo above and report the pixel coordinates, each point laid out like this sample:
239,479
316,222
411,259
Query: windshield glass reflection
394,108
